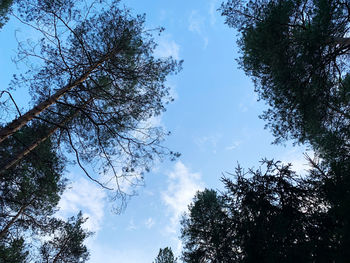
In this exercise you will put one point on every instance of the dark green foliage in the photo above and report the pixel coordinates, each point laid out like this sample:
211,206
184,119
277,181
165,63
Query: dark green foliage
337,220
265,215
66,243
32,188
206,230
13,251
165,255
297,53
94,70
101,59
30,192
5,5
273,212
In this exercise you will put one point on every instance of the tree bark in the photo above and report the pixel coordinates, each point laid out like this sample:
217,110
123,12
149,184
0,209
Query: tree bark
16,124
343,41
37,142
6,228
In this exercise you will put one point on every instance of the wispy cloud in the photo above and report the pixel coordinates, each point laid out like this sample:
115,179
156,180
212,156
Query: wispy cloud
297,158
182,187
111,254
85,196
132,226
213,6
234,145
149,223
210,141
248,101
167,48
196,24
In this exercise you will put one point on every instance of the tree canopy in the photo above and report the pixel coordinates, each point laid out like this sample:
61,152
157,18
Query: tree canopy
4,9
30,191
96,85
297,54
165,255
269,214
205,230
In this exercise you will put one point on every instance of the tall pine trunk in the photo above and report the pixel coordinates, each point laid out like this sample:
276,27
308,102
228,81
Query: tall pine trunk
18,123
40,140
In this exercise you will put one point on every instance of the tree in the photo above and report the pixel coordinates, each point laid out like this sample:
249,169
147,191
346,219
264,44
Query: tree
4,9
206,230
31,190
97,86
66,243
335,189
13,251
297,54
265,215
165,256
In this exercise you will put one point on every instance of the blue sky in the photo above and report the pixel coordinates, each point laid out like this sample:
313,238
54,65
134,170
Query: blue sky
214,124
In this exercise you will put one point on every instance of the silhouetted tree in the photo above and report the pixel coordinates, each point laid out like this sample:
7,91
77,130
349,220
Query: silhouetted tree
4,9
265,215
206,230
65,243
30,190
297,54
13,251
165,255
97,88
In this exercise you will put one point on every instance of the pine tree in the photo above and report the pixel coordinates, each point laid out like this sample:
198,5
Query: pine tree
297,54
165,255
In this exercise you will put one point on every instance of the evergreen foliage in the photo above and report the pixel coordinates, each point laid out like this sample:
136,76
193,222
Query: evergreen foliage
165,255
66,242
30,192
5,5
97,85
205,230
266,215
297,54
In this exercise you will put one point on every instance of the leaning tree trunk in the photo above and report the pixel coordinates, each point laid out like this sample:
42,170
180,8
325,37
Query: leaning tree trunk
13,220
37,142
18,123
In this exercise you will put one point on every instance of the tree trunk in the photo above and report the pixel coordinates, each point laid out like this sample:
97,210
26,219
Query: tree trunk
57,257
37,142
16,124
6,228
342,41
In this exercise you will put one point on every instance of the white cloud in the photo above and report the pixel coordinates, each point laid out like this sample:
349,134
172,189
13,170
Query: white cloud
248,101
234,145
297,158
132,226
83,195
149,223
213,11
196,24
211,141
167,48
182,187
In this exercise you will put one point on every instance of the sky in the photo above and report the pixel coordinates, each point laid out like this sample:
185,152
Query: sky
213,121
